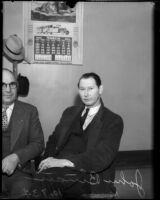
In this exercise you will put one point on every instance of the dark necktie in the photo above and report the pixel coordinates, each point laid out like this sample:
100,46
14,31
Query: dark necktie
83,118
4,119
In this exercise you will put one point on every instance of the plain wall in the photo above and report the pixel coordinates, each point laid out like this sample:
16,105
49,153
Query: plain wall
118,45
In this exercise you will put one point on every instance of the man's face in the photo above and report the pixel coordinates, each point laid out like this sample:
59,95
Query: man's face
89,92
9,93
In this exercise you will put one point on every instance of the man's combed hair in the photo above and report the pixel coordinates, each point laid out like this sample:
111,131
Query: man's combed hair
8,70
91,75
11,72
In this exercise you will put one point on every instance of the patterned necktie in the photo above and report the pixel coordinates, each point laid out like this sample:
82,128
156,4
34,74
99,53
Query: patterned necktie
4,119
83,118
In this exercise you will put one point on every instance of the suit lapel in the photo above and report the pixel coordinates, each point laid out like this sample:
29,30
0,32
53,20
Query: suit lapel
16,123
94,129
66,131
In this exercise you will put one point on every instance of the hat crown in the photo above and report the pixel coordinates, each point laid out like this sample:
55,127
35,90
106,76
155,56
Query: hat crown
14,44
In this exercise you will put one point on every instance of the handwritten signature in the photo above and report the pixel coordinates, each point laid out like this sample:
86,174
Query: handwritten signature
94,179
138,182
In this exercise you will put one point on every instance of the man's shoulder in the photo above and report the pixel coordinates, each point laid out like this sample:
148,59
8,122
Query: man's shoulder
25,105
108,113
73,108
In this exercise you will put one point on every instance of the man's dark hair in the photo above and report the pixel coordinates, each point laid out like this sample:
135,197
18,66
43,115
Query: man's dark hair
91,75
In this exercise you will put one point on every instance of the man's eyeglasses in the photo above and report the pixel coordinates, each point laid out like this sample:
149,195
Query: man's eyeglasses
12,85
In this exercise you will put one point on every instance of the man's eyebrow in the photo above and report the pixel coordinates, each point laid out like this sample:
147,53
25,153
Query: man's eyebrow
13,82
9,82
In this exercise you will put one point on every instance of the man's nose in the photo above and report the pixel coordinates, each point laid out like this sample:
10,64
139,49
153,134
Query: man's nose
8,89
86,93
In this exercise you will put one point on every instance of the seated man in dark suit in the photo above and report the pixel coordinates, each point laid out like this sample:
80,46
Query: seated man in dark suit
22,138
80,153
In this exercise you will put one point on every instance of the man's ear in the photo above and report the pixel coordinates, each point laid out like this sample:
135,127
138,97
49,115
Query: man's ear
100,89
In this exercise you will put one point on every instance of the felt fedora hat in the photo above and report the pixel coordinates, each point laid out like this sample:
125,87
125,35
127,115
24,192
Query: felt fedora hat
13,48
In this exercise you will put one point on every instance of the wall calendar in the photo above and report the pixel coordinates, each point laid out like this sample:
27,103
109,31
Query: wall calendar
53,32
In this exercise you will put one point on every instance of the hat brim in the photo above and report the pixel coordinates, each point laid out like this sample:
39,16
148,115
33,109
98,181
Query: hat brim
12,56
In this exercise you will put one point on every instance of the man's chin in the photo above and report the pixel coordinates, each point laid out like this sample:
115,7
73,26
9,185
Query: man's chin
7,102
88,104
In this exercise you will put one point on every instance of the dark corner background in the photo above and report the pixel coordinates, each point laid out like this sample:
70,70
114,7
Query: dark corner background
1,54
156,109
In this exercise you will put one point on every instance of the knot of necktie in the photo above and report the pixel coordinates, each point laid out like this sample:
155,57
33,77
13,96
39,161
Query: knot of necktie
5,107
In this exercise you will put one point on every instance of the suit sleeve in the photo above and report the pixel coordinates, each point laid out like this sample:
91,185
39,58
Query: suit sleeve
103,153
51,144
53,138
35,144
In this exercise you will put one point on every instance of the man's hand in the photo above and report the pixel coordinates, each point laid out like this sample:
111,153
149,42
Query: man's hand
54,162
9,163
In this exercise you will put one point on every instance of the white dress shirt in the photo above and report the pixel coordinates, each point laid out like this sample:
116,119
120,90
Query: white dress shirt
92,112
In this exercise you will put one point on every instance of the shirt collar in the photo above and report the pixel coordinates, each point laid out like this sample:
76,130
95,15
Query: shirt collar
10,107
93,110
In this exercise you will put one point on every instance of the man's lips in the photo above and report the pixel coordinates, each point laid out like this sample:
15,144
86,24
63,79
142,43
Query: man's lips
8,96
